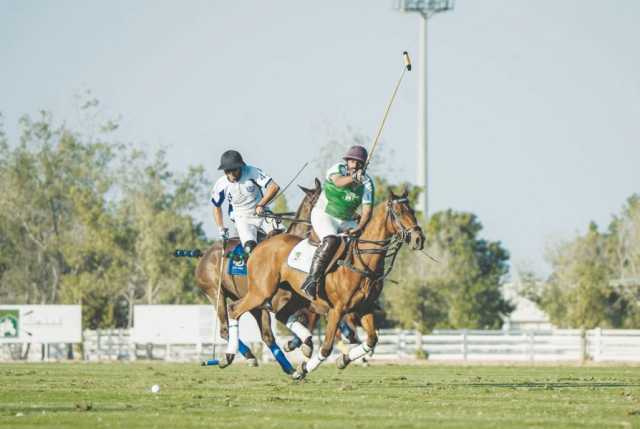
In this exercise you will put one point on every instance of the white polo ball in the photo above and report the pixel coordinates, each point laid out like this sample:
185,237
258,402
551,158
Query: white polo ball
155,388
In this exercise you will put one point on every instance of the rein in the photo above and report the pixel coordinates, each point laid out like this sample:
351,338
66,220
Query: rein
389,247
280,217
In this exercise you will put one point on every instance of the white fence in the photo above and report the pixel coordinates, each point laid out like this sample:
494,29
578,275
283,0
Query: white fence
563,345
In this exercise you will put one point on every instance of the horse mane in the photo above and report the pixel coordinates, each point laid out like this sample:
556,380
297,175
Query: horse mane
304,210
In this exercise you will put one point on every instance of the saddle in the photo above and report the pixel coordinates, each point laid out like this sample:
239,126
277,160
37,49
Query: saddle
340,256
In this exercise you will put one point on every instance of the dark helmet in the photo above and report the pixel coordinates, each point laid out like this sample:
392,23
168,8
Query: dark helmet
230,160
359,153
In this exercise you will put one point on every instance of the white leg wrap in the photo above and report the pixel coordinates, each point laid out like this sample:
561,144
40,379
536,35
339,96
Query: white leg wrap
358,352
315,362
299,329
232,345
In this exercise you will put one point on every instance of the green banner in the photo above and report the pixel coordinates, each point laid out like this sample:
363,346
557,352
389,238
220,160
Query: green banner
9,323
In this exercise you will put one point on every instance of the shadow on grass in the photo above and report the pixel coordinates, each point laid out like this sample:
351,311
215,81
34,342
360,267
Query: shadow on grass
554,385
12,410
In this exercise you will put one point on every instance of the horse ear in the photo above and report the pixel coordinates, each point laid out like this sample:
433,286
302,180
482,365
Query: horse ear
306,190
318,184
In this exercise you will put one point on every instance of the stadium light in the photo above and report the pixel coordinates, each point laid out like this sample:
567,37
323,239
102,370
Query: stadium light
426,9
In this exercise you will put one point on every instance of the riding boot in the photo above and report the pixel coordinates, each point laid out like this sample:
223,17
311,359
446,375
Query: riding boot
249,246
321,258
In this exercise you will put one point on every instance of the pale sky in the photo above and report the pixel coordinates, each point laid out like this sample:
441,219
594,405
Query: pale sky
534,106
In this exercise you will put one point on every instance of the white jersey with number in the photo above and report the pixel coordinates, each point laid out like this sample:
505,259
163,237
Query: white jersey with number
243,195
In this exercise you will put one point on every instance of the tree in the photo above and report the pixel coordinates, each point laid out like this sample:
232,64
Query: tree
84,219
595,280
462,290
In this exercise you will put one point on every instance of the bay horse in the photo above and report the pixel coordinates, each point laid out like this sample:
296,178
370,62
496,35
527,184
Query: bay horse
353,286
235,287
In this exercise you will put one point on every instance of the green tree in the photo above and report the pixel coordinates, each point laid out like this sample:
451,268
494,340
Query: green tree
462,289
595,280
155,216
84,219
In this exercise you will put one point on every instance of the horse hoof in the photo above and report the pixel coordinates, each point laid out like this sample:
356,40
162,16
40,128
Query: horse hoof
226,360
307,348
342,361
300,373
252,362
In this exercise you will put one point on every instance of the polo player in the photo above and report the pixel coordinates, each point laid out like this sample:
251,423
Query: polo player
346,188
248,191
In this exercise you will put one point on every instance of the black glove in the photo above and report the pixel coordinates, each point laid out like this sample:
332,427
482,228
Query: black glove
224,233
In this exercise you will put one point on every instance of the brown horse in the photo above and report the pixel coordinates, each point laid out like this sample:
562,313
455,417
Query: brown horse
352,287
235,287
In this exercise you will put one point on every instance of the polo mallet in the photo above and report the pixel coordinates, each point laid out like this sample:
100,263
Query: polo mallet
283,190
407,67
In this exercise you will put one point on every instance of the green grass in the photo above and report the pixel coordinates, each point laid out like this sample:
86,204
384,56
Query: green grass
118,395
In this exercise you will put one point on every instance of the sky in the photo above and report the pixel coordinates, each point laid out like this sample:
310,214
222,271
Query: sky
534,107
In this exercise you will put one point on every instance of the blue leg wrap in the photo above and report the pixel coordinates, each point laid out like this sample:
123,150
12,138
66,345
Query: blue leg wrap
210,362
243,349
345,330
281,358
295,342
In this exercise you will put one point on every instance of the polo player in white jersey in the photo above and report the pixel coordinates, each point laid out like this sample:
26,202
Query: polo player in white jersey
248,191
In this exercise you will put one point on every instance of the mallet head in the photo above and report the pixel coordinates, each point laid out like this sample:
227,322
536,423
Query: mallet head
407,60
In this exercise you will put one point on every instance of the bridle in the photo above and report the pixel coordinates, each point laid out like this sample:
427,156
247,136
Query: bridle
389,248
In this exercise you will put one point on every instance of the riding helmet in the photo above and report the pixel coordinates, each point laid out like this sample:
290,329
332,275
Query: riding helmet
231,160
356,152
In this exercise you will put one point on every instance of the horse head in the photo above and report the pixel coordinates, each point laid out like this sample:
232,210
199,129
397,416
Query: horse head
304,210
403,220
310,198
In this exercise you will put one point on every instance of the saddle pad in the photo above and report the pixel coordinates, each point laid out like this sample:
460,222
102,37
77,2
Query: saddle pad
301,256
237,265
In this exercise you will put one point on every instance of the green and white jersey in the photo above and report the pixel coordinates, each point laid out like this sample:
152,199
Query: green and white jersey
342,203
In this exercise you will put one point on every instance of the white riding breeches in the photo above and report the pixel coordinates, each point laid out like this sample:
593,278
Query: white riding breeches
325,224
247,227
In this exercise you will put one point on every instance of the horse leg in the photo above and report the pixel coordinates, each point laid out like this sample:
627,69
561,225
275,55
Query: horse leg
246,351
334,317
363,349
293,317
221,310
348,327
263,318
301,332
236,309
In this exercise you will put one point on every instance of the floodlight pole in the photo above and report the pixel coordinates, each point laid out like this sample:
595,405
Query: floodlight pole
426,8
423,118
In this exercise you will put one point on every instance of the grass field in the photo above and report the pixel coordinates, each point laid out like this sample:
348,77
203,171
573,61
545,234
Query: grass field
118,395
